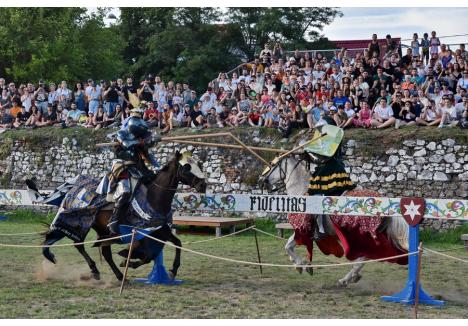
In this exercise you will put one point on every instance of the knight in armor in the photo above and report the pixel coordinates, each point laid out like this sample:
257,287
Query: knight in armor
329,178
130,169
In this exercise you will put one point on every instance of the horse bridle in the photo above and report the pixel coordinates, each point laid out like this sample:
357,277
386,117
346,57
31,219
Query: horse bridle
177,176
282,181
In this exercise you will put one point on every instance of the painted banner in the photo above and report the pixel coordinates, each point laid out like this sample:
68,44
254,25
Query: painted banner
362,206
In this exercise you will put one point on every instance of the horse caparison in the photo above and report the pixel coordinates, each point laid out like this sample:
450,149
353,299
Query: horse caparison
293,173
160,193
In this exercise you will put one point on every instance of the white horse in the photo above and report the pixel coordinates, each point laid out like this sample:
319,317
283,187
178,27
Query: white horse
292,175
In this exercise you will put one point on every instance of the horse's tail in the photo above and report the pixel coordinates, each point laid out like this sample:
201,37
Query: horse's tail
51,236
397,232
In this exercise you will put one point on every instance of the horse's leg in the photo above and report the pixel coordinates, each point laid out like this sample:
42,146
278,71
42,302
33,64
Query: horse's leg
353,275
176,264
91,263
289,247
107,253
51,238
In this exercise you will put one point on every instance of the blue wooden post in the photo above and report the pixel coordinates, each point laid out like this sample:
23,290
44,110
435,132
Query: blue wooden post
408,294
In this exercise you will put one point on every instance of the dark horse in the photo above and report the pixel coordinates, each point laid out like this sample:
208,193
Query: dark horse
160,194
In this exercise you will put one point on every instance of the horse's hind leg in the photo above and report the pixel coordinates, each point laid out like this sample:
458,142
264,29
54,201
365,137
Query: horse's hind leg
51,238
353,275
107,253
91,263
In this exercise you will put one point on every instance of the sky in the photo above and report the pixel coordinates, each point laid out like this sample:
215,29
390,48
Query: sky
361,23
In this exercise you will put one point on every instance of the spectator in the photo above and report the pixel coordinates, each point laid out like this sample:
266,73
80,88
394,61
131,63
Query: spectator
6,120
49,120
73,116
406,116
167,119
434,42
111,97
94,97
364,116
448,113
151,115
40,97
383,115
196,117
254,118
34,118
15,109
429,115
21,118
63,90
425,43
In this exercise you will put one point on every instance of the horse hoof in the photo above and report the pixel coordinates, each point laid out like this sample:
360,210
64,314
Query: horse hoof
342,283
356,278
97,276
171,275
120,277
299,269
310,270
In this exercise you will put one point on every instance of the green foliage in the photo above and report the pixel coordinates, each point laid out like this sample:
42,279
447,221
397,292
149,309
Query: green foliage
443,237
57,44
294,26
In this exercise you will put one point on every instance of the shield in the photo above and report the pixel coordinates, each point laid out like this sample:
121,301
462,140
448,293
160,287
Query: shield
412,210
328,144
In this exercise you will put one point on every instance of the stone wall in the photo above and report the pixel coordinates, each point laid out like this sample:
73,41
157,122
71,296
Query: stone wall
412,168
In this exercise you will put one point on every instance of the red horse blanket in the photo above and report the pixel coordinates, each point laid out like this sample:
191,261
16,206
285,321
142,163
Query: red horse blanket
357,234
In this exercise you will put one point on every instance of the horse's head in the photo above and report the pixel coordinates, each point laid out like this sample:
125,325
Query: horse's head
273,178
190,171
288,173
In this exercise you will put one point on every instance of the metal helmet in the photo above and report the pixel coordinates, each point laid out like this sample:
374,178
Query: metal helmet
138,127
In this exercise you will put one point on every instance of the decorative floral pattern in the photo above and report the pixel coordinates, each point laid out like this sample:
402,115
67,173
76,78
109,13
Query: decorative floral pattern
202,202
435,208
10,197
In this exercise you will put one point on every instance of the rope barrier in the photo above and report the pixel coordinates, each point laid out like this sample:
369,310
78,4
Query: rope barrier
64,244
270,264
270,234
224,236
447,256
451,249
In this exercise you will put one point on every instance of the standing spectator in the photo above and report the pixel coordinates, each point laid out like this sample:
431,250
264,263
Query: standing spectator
186,93
94,97
146,91
434,42
63,90
129,90
52,98
111,95
26,99
374,47
425,44
278,52
40,97
79,97
5,102
415,46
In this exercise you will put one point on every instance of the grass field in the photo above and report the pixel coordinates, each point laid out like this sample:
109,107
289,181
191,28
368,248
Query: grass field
33,288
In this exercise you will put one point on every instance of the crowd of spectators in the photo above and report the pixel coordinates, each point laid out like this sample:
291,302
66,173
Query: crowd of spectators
375,88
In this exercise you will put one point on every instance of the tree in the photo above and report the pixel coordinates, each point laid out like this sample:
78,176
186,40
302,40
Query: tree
184,44
57,44
287,25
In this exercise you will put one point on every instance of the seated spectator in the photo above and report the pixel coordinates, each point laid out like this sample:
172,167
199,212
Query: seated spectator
429,115
35,117
99,118
254,118
21,118
151,115
74,115
406,116
463,82
167,119
340,117
117,119
90,121
448,114
363,118
211,119
383,115
223,116
49,120
196,117
285,125
15,109
6,120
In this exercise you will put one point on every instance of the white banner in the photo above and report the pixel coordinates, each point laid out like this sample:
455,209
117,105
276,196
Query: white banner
362,206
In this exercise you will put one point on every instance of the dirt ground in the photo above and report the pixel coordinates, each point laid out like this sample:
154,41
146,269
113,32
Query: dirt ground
33,288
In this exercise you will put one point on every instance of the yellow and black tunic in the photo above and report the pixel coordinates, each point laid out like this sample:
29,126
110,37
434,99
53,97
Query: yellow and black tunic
330,179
